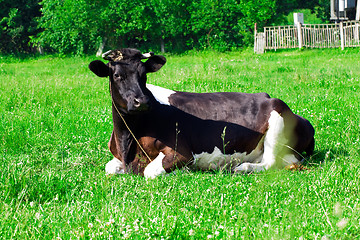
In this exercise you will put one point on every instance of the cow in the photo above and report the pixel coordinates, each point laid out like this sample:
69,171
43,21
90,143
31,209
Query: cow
157,130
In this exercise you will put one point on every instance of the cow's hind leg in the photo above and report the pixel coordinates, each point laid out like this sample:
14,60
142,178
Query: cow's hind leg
277,153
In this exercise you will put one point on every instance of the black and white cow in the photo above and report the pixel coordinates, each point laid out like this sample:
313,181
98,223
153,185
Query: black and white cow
240,132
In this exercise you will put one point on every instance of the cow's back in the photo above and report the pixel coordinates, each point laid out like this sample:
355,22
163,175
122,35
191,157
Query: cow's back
245,109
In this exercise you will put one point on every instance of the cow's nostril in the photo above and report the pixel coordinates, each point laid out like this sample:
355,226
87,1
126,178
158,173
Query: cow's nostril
136,102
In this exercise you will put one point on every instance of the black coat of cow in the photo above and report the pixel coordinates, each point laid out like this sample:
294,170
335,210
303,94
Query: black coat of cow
193,123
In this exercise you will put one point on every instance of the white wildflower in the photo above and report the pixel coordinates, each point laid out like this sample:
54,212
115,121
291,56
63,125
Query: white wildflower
342,223
338,209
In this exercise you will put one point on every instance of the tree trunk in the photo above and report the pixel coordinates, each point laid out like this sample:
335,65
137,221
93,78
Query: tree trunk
162,45
40,49
101,48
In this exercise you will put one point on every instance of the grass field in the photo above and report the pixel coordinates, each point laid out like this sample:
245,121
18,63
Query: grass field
56,121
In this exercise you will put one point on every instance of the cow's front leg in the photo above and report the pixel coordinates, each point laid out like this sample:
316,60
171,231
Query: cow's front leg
167,161
155,168
115,166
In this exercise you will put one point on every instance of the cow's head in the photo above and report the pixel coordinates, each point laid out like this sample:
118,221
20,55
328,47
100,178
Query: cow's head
127,75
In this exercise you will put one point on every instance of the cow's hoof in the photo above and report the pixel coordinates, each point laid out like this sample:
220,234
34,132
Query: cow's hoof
115,166
249,168
243,168
155,168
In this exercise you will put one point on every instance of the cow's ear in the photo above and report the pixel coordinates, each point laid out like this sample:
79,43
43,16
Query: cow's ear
154,63
99,68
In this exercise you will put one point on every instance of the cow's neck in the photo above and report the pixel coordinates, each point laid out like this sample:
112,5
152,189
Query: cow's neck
124,142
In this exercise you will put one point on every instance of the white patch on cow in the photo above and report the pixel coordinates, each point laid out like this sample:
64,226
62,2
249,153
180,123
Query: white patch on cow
276,153
161,94
155,168
219,161
115,166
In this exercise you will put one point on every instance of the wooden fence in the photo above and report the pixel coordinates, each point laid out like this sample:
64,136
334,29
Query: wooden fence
343,34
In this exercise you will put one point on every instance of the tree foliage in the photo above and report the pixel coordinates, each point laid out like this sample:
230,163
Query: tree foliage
18,24
81,26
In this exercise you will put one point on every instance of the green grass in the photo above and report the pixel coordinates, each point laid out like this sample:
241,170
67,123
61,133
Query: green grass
56,121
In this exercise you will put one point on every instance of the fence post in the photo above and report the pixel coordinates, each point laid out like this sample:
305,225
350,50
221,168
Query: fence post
342,40
299,35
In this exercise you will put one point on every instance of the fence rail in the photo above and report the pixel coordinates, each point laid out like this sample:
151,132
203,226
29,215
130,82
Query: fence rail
343,34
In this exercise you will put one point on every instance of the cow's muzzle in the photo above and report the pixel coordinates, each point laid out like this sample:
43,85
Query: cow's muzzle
139,104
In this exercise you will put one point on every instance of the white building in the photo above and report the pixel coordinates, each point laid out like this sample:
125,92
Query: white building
344,10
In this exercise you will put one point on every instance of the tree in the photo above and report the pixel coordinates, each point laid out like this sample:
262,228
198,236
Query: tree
170,21
82,26
17,25
322,10
70,26
224,24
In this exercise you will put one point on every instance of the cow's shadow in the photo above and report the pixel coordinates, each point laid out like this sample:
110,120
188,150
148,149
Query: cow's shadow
323,155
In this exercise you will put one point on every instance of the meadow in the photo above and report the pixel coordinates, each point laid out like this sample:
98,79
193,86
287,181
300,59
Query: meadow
56,122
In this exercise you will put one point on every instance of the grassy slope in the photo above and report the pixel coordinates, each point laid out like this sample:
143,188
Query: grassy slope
56,122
